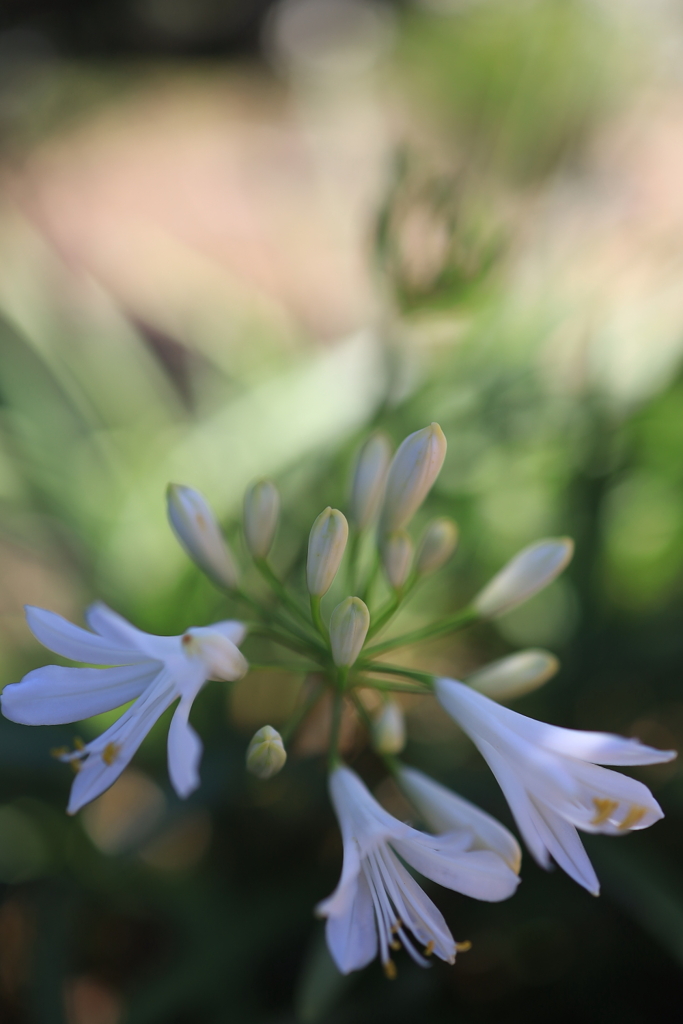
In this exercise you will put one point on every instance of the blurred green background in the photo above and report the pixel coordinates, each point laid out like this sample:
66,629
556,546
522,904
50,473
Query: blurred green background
233,237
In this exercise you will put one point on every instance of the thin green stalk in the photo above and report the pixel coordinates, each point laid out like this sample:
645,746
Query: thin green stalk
333,758
280,590
363,712
316,615
282,666
426,678
459,621
390,687
383,617
284,641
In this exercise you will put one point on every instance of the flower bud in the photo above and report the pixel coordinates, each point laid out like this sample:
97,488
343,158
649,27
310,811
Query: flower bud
413,470
222,658
438,543
261,512
515,675
195,526
397,557
326,545
528,572
349,624
369,478
266,753
389,730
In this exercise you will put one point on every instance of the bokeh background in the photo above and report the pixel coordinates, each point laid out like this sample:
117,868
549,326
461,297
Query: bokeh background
233,236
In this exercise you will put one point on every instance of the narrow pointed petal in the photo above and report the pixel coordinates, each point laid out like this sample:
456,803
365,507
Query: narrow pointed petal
113,626
563,842
62,637
352,934
110,753
443,811
54,695
231,629
184,751
480,874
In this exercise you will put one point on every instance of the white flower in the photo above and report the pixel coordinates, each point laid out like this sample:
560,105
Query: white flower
529,571
152,671
443,811
412,472
378,902
552,779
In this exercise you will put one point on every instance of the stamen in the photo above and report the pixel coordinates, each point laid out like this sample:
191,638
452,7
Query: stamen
186,640
634,815
396,926
604,809
110,753
390,969
76,765
395,945
429,948
78,743
59,752
463,947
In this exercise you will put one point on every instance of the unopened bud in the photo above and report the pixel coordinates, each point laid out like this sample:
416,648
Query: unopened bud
261,512
349,624
266,753
438,543
369,478
195,526
397,557
389,730
326,545
528,572
515,675
222,658
413,470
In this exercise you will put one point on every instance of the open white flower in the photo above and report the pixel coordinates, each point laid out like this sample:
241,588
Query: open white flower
552,780
152,671
378,902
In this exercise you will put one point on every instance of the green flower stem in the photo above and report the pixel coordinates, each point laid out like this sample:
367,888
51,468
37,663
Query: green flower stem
289,642
300,713
280,590
271,616
426,678
383,617
390,687
282,666
459,621
362,712
333,758
353,551
316,615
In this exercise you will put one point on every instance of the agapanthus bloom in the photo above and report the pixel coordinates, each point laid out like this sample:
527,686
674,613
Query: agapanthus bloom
378,905
552,778
152,671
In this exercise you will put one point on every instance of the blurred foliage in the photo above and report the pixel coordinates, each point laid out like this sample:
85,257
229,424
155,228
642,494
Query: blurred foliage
151,911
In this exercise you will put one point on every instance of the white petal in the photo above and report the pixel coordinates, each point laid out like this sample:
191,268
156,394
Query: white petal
604,784
114,627
352,933
422,917
528,572
563,842
53,695
481,874
184,751
444,811
519,801
232,629
62,637
119,743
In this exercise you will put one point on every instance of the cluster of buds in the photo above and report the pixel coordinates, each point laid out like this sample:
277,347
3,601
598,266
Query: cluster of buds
551,776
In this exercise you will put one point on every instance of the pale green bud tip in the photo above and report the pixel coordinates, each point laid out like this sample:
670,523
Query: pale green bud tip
326,545
349,624
397,557
266,753
438,543
195,526
389,730
413,470
261,513
515,675
369,478
528,572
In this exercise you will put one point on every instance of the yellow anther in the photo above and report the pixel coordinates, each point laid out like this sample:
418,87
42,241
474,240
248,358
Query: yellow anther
76,765
390,969
396,926
463,947
59,752
604,808
187,639
110,753
78,743
634,815
395,945
429,948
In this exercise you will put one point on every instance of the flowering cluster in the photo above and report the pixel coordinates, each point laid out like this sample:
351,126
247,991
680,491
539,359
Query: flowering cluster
552,777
